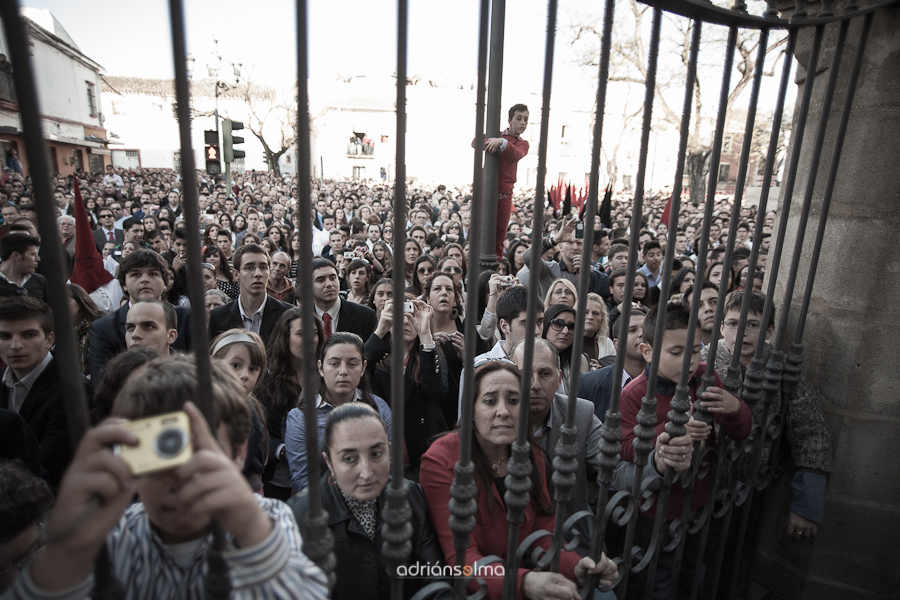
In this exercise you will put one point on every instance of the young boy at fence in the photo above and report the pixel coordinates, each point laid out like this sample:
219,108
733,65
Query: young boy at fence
161,547
727,411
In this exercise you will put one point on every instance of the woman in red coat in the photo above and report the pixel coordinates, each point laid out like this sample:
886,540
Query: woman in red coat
496,416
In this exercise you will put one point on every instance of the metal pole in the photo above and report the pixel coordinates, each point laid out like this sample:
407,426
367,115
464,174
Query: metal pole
492,160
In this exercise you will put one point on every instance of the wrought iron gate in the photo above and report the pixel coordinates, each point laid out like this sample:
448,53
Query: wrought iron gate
769,380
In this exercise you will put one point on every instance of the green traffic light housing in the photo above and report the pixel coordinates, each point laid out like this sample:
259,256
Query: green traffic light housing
229,140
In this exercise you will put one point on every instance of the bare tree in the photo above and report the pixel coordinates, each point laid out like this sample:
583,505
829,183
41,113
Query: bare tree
628,65
269,115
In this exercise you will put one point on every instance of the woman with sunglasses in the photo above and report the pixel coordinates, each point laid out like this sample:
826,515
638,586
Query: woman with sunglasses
559,330
451,267
425,266
495,419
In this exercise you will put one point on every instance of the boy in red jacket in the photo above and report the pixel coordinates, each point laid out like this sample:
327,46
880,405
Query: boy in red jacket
728,411
511,148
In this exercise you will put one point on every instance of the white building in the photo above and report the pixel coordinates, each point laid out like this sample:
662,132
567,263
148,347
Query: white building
69,91
142,120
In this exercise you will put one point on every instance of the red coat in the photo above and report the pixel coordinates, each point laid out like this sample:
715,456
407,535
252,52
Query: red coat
516,149
491,532
737,425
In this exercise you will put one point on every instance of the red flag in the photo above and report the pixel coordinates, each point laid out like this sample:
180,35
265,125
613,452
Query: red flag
665,214
89,272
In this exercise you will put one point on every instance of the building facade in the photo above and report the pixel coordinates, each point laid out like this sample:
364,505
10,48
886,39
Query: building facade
69,89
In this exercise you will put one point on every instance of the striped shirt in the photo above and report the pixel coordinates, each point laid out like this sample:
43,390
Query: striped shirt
275,568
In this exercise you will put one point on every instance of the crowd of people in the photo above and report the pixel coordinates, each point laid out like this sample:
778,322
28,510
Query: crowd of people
132,320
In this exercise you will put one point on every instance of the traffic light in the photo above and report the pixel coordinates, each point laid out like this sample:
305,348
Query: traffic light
228,140
213,166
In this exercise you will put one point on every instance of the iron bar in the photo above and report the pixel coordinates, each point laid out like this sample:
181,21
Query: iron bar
518,480
52,248
318,542
199,331
492,160
610,431
217,587
764,376
644,430
68,362
752,391
397,512
680,404
565,462
832,173
732,380
463,490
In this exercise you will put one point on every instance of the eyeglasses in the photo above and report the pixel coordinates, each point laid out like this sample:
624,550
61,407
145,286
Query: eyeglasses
457,270
425,270
106,216
559,325
750,325
248,269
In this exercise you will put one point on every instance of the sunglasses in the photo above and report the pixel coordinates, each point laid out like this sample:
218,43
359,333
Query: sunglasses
559,325
457,270
425,270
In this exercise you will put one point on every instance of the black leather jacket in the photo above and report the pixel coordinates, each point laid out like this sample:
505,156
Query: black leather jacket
362,572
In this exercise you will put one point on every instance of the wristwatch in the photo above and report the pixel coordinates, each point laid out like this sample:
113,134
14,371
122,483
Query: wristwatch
427,347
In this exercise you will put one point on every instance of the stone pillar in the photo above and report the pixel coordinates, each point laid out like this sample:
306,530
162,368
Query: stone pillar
850,344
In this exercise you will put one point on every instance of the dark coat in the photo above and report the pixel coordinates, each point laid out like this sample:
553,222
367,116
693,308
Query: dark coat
100,239
227,317
357,319
45,412
423,418
361,572
35,287
17,441
107,337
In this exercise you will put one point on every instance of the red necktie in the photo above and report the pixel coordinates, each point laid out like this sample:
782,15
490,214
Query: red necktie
326,318
112,238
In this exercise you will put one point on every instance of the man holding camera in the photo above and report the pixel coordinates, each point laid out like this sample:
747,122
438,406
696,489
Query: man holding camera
569,264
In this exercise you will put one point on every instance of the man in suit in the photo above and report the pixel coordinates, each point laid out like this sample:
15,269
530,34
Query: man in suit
548,414
31,385
142,275
254,310
108,232
337,314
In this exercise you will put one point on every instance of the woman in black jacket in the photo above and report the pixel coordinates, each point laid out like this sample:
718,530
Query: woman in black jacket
426,373
357,453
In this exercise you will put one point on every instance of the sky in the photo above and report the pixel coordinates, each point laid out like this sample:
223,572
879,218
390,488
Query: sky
346,37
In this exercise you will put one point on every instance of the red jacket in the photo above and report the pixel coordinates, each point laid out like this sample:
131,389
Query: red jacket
516,148
737,425
491,531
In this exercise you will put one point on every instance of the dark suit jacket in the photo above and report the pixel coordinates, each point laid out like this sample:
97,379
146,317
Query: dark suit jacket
100,239
107,338
17,441
45,413
357,319
227,317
